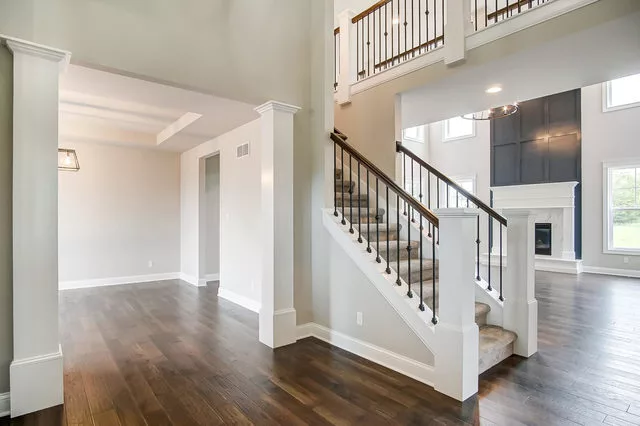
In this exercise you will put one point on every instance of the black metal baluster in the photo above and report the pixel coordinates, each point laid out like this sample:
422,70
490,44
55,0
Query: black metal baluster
386,33
398,281
344,222
457,196
507,11
373,29
388,270
360,207
489,256
409,293
419,27
335,182
350,198
501,298
380,37
486,15
369,46
429,200
519,6
420,177
377,223
475,20
478,248
413,25
421,306
447,195
437,206
442,23
413,219
433,277
368,216
495,17
357,47
399,13
435,22
404,178
392,18
426,20
404,56
364,69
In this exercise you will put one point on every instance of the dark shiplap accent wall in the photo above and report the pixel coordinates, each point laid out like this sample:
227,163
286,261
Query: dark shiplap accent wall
541,143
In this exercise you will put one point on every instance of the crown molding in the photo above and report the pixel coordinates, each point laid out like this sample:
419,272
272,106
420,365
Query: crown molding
16,45
277,106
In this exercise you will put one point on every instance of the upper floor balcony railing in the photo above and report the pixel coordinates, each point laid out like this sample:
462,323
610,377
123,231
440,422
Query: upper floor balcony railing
393,32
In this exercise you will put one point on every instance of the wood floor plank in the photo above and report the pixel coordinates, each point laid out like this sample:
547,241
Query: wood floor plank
167,353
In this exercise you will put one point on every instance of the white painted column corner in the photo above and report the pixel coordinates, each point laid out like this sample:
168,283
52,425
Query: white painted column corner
520,305
457,26
36,375
456,359
346,56
277,314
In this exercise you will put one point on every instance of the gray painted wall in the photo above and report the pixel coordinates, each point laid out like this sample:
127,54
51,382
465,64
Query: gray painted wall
6,155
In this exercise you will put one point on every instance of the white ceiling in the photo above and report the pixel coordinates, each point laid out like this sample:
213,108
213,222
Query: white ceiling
102,107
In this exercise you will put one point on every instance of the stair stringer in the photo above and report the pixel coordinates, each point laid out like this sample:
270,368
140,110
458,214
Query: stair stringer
418,321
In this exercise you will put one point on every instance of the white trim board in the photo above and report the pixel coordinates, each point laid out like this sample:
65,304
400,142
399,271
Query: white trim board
393,361
5,404
629,273
212,277
36,383
101,282
239,299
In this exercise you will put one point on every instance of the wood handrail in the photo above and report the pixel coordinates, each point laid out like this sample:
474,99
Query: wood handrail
494,15
475,200
370,9
337,137
336,31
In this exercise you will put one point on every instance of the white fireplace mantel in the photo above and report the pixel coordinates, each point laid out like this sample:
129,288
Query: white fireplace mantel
549,203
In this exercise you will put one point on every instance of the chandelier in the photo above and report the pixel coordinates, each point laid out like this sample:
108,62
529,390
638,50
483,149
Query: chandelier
493,113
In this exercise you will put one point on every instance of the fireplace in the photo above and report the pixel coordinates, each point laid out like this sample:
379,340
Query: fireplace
543,239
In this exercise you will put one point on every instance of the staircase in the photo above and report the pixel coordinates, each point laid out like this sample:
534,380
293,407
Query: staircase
495,343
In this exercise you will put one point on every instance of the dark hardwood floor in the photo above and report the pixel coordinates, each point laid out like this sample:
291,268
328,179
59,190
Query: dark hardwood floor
168,353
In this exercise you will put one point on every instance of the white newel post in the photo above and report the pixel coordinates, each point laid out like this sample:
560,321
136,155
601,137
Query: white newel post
347,59
36,376
457,26
520,304
456,358
277,314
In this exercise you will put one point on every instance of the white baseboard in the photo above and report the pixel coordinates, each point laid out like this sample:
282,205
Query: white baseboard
212,277
631,273
101,282
5,404
239,299
409,367
36,383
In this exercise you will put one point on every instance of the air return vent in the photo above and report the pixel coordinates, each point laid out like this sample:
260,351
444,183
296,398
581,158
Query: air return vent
242,150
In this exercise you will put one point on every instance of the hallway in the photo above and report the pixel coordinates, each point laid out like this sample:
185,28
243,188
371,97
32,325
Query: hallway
169,353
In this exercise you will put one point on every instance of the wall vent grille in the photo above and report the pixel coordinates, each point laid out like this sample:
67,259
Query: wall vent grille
242,150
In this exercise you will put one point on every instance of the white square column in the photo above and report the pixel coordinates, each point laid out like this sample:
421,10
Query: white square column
520,305
36,375
277,314
456,359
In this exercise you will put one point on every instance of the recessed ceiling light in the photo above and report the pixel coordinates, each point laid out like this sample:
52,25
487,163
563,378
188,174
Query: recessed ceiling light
494,89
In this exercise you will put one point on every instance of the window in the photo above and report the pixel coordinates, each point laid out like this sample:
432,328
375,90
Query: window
414,134
622,207
453,198
458,128
622,93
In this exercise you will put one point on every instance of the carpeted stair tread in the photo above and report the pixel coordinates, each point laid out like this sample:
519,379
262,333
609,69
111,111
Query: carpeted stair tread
393,249
495,345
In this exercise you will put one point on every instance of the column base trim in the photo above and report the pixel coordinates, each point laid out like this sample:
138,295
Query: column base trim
278,328
36,383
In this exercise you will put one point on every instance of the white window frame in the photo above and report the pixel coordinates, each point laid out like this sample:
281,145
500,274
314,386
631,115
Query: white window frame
606,100
410,139
443,189
445,138
607,220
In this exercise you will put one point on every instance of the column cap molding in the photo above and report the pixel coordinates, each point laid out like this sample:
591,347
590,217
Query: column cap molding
34,49
277,106
517,213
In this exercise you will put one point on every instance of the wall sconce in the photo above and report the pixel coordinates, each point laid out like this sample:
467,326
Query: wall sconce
68,160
